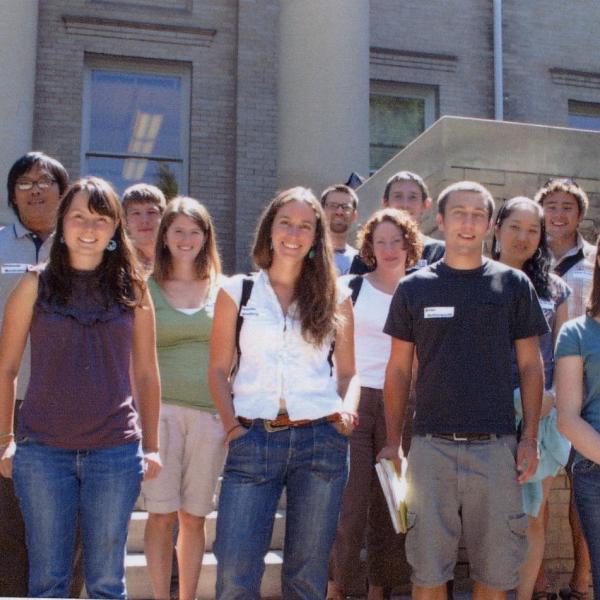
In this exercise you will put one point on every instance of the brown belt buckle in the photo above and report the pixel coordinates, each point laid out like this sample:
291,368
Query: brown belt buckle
273,428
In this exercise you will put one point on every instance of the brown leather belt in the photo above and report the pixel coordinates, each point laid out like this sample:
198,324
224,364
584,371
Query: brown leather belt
283,421
465,437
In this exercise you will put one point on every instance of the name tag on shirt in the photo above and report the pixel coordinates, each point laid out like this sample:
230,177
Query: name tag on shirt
14,268
249,311
585,275
438,312
546,304
421,263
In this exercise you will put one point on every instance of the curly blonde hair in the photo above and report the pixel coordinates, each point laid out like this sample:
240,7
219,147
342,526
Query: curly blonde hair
404,222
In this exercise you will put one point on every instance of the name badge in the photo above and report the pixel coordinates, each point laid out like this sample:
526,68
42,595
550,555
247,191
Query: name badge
546,304
421,263
249,311
585,275
438,312
14,268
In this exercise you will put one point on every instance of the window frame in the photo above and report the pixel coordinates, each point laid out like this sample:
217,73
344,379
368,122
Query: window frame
412,91
576,108
132,66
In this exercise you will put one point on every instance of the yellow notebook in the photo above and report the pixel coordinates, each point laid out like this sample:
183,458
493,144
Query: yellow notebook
393,485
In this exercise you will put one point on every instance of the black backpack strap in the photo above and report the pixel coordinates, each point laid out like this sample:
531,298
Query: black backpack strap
562,267
355,284
247,285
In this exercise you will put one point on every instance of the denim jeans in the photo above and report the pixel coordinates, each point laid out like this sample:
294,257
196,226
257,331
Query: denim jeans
311,462
58,487
586,488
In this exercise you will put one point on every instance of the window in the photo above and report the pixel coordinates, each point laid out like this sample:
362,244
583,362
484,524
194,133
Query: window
584,115
135,126
397,114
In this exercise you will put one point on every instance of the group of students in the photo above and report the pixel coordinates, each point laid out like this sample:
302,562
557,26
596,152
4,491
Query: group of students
148,364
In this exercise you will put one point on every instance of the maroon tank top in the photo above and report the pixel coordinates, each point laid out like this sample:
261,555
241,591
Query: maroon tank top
79,395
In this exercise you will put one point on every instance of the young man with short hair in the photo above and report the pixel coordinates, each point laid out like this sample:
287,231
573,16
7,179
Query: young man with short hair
340,204
463,315
143,205
565,204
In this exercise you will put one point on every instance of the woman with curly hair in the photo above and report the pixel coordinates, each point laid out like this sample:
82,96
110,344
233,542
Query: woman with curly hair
79,451
389,243
520,242
291,405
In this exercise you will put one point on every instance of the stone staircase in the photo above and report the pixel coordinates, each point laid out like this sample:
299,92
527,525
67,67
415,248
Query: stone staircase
138,582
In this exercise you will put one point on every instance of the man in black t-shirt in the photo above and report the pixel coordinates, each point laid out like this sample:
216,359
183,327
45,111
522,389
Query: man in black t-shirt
463,315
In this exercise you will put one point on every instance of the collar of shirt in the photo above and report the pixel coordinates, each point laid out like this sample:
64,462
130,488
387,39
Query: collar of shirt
581,244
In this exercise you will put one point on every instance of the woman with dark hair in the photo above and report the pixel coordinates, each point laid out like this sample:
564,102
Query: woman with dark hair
389,243
578,401
287,412
520,242
78,455
184,286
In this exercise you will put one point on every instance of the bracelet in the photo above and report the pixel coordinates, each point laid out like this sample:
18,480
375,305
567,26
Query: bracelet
8,434
232,428
529,439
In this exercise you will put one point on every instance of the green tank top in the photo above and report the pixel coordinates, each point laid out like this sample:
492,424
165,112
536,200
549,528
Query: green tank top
182,343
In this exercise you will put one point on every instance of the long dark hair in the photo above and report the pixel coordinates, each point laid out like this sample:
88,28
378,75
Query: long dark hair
537,267
315,292
207,263
593,305
118,275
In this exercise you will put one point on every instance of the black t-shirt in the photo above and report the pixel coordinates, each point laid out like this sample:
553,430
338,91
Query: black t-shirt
463,323
433,250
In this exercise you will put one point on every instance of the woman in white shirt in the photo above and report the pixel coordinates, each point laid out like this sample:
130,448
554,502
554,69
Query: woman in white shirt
390,243
287,412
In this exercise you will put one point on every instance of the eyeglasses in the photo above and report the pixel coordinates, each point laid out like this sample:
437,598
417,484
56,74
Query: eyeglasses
346,207
42,184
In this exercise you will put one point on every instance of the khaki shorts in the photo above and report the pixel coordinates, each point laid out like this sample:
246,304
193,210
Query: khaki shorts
468,489
193,452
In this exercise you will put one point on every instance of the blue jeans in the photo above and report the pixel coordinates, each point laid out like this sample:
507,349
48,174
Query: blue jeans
311,462
586,488
58,487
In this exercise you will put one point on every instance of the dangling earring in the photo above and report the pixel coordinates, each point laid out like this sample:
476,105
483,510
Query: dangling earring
271,245
62,240
497,247
111,246
311,253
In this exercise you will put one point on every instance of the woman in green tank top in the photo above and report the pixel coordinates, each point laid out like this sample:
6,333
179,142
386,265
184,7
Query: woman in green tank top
183,287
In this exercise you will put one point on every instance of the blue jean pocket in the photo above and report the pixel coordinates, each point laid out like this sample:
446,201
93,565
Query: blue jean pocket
330,452
585,465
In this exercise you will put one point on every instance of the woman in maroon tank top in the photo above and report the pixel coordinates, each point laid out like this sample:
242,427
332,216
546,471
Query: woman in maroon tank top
78,455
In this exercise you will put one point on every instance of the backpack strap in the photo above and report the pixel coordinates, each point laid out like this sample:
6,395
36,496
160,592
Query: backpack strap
355,284
564,266
247,285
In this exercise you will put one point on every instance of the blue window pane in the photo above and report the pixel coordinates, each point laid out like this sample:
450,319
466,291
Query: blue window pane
585,122
122,173
135,113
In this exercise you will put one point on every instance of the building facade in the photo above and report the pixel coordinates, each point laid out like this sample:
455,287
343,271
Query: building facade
229,100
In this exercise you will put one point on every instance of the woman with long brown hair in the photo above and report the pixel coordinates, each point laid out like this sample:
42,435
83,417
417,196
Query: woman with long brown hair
291,405
79,455
187,272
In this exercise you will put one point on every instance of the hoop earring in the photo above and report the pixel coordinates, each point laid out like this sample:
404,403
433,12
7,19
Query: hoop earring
62,240
111,246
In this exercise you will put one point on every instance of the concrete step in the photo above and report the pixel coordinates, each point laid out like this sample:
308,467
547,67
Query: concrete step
138,582
137,524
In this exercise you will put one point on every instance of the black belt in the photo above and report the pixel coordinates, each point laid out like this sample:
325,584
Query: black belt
465,437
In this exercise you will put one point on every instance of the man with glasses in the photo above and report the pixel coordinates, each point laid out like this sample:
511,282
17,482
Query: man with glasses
340,203
565,204
35,185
